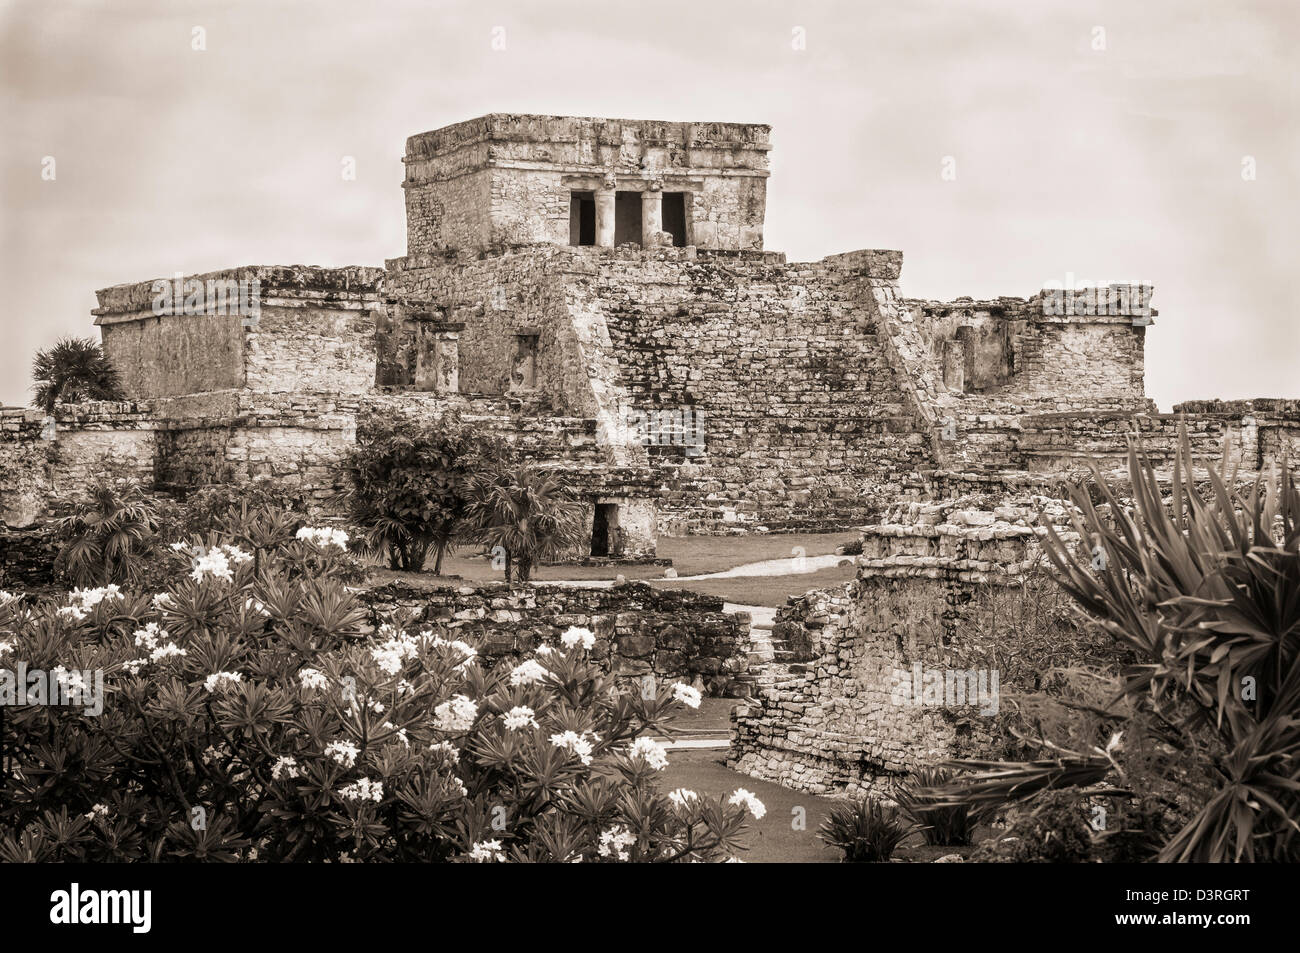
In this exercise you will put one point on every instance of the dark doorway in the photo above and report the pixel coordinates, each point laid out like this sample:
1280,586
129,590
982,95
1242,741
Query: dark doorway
582,218
675,217
627,217
604,530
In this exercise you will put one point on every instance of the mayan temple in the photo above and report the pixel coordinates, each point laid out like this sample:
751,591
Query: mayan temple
599,292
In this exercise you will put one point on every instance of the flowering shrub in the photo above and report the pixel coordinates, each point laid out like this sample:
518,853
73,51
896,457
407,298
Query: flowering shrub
249,714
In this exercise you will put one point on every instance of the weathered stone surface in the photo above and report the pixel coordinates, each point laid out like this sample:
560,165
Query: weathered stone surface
674,635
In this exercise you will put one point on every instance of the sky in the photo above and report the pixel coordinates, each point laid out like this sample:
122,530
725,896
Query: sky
1106,141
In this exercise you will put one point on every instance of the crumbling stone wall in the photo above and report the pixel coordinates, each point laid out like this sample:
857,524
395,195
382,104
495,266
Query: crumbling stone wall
312,331
669,635
832,722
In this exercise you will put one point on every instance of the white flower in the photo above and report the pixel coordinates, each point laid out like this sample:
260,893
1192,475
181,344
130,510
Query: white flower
399,732
312,679
486,852
162,600
89,598
575,743
393,653
252,605
6,647
180,547
682,797
690,697
520,717
236,555
344,752
655,755
615,841
447,750
217,679
544,650
134,665
73,683
455,714
750,803
574,634
363,790
99,810
150,636
284,767
7,597
81,601
170,649
527,672
324,537
213,563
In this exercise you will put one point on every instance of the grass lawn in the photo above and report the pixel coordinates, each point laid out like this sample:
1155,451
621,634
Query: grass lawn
764,590
691,556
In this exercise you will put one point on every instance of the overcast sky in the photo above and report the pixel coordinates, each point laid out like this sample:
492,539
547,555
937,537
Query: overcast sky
1107,140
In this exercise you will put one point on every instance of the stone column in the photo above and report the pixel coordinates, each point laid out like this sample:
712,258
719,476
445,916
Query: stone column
652,216
605,217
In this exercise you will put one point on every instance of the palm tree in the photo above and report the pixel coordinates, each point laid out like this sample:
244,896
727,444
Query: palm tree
108,533
74,369
524,509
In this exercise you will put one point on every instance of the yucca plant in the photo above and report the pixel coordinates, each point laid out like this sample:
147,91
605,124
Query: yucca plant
941,823
108,534
527,511
1203,587
74,369
864,829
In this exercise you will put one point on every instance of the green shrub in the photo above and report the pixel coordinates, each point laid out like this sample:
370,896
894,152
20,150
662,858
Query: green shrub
941,824
864,830
1200,591
249,713
109,534
409,485
74,369
1052,830
526,510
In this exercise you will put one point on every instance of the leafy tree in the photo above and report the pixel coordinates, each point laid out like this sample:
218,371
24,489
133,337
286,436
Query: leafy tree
74,369
526,510
409,485
109,534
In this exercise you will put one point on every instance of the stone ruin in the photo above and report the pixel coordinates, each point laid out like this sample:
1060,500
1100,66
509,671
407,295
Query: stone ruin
597,290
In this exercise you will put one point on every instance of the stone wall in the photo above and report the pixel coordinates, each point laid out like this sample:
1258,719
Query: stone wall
833,721
266,328
504,180
671,635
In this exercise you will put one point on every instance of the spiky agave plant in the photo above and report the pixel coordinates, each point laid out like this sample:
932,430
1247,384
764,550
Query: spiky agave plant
1203,587
526,510
73,369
